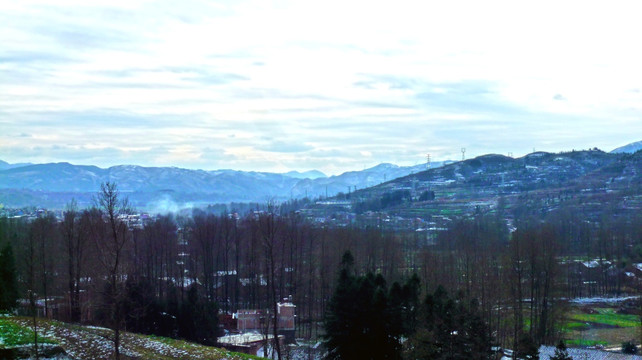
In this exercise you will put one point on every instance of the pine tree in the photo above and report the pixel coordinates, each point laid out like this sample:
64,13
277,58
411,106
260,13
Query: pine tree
198,321
560,352
629,348
363,320
411,291
340,322
526,348
449,329
8,284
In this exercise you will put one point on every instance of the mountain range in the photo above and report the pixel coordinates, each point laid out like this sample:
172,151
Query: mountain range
53,185
158,189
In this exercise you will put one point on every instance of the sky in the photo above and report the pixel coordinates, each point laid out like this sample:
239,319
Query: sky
328,85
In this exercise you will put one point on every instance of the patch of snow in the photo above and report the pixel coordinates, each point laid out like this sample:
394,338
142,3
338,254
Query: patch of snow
594,300
97,328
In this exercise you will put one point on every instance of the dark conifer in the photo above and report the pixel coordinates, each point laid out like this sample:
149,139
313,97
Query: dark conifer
364,319
526,348
8,284
449,329
340,321
561,353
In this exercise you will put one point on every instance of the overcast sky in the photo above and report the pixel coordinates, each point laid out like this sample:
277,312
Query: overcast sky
328,85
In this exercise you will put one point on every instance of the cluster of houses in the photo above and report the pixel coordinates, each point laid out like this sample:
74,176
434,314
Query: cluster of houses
251,329
600,277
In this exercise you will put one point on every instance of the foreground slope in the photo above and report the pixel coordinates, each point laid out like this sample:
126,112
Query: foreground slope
86,342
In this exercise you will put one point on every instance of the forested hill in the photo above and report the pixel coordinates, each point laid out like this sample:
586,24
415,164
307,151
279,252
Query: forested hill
536,183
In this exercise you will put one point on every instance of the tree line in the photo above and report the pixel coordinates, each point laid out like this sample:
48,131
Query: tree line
174,274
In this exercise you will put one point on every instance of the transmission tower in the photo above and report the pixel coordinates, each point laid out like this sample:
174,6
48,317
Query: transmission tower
463,154
427,161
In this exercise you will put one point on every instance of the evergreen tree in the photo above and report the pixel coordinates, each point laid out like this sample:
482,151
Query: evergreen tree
526,348
409,304
340,322
629,348
142,308
450,329
363,321
198,321
560,352
8,284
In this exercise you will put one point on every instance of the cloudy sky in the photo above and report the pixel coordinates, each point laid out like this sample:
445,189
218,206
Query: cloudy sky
328,85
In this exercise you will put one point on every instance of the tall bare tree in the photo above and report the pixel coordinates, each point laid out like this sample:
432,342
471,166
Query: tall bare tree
112,245
269,227
74,229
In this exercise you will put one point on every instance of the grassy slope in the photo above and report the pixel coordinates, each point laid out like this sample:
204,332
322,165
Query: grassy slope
93,343
13,334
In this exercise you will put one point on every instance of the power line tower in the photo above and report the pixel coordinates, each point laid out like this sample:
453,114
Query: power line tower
427,161
510,154
463,154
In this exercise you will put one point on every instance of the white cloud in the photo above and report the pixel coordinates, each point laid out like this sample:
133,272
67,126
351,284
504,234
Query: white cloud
382,81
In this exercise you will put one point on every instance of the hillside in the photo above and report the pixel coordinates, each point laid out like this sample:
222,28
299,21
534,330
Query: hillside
536,184
630,148
87,342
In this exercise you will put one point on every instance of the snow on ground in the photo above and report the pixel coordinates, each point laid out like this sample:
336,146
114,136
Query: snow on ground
78,342
595,300
96,343
97,328
158,347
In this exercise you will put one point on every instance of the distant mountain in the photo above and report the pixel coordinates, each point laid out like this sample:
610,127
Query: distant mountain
630,148
312,174
5,165
148,184
53,185
355,180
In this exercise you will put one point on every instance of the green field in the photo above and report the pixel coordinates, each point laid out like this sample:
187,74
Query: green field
608,316
605,327
12,334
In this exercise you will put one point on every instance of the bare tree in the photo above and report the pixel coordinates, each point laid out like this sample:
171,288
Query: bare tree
74,231
112,245
269,226
43,235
